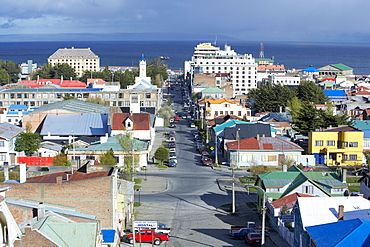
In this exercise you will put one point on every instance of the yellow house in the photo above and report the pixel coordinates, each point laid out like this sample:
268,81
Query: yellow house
337,146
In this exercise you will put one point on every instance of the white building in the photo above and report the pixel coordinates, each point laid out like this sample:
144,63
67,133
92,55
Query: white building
81,59
210,59
284,79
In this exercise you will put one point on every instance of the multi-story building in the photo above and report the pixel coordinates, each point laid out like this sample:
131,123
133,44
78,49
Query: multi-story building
211,108
337,146
210,59
81,59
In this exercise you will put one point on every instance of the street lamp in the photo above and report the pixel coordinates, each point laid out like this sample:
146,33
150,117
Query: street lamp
263,209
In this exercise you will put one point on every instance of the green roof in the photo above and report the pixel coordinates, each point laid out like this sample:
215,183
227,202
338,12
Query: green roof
113,143
341,66
213,90
74,105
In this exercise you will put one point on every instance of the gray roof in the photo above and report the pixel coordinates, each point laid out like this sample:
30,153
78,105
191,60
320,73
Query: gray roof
75,124
73,53
74,105
9,131
247,131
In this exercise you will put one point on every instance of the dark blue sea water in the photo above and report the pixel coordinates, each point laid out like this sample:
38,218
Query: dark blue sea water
128,53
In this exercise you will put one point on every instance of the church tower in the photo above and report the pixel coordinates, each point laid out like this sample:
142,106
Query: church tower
142,67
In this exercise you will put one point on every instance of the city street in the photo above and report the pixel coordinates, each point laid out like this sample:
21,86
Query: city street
189,198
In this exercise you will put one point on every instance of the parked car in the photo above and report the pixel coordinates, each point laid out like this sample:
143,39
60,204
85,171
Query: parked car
172,163
242,233
207,161
172,125
176,118
172,155
172,150
253,238
147,235
192,125
204,153
171,145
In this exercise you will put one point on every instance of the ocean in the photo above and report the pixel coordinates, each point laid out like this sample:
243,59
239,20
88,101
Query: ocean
128,53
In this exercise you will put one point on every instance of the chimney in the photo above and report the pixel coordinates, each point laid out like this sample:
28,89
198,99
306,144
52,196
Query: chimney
40,211
103,139
344,175
285,168
61,79
59,180
22,173
341,212
258,137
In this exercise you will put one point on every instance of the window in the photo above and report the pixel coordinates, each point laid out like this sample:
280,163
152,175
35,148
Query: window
330,143
307,189
319,143
2,144
268,158
2,157
353,144
246,157
239,113
350,157
147,95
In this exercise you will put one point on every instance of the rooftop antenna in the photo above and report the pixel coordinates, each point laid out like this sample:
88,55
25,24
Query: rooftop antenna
215,43
262,52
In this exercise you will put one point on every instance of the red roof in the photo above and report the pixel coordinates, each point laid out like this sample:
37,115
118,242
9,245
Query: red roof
72,176
263,143
59,82
289,200
141,121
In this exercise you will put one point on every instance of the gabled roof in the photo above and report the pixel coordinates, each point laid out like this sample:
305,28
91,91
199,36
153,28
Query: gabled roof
247,131
353,232
335,94
361,124
67,53
69,176
289,200
341,66
9,131
280,117
264,143
141,121
73,105
75,124
232,122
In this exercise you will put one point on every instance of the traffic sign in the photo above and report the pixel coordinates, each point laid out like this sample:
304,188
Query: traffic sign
145,224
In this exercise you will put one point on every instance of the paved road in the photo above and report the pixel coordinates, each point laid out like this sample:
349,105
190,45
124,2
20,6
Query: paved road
188,199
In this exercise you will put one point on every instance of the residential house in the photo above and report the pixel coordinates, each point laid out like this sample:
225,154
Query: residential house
138,124
280,121
286,80
336,97
354,232
14,114
365,185
315,211
8,135
268,151
293,180
210,108
94,150
79,189
364,126
264,70
222,119
212,93
337,146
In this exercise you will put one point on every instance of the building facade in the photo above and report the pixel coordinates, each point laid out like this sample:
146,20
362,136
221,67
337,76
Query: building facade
211,59
81,59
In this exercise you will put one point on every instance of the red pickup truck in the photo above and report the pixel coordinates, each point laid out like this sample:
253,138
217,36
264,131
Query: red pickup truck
147,235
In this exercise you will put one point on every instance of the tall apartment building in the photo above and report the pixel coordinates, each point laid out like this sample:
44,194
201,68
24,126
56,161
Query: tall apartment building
80,59
211,59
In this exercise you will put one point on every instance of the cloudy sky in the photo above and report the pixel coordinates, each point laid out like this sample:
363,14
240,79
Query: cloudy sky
249,20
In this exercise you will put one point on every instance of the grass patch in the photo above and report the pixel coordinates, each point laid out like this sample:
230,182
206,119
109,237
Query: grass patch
137,180
352,179
137,204
136,187
161,166
354,188
252,204
247,180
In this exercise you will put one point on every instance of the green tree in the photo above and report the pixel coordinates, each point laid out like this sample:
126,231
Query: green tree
162,154
294,106
27,142
307,119
166,113
97,100
269,97
49,71
61,160
157,71
310,92
108,158
12,69
69,96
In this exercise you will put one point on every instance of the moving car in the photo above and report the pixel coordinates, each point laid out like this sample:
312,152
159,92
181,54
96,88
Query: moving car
253,238
242,233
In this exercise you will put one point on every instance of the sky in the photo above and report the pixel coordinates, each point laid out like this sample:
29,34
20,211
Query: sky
247,20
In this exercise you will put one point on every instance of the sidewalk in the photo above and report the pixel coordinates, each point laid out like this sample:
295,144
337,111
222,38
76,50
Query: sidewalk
241,205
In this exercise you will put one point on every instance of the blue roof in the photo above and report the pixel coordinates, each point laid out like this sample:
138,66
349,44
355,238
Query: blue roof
353,232
229,123
75,124
108,236
337,94
310,69
17,107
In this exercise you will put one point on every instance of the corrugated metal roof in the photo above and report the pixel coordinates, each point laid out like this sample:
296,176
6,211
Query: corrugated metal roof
9,131
68,176
74,105
353,232
276,183
75,124
76,53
